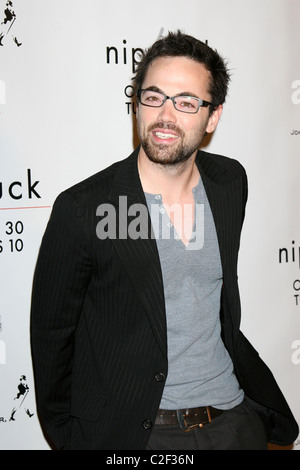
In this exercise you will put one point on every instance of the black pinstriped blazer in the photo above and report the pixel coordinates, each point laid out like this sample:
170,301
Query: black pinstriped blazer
98,315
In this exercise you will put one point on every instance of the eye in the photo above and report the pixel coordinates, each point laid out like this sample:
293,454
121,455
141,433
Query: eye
187,103
152,98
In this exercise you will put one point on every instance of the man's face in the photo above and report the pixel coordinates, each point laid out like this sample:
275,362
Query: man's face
167,135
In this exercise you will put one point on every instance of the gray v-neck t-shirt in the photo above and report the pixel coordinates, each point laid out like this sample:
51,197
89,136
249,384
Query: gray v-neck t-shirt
200,370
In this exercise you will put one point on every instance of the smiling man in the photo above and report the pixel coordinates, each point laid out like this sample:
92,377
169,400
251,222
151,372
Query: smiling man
135,338
174,137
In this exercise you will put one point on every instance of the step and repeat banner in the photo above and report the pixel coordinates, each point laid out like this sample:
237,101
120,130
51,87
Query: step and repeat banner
66,112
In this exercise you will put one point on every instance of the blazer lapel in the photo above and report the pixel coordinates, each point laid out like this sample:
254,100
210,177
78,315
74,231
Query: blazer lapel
219,196
139,256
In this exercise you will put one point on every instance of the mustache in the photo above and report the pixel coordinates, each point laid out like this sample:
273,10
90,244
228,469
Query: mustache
165,126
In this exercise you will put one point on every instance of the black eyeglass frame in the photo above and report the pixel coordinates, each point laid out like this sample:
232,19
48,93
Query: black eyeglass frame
201,103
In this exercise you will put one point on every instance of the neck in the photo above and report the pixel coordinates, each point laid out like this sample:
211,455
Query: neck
171,181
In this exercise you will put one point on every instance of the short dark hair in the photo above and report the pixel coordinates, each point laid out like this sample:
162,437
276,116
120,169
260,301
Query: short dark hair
177,44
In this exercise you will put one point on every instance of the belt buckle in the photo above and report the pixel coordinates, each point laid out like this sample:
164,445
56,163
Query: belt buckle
182,421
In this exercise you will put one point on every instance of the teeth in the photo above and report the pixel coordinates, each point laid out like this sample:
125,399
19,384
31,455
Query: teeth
161,135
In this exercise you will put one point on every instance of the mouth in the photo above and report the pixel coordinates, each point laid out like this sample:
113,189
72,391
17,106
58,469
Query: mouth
165,136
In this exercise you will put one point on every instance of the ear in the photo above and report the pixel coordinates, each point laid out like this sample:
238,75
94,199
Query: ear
214,119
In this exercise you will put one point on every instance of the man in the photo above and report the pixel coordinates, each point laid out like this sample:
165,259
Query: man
135,324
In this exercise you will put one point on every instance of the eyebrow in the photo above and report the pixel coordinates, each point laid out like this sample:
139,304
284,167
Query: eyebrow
183,93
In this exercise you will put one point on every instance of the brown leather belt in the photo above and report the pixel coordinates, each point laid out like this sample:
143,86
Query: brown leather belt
188,418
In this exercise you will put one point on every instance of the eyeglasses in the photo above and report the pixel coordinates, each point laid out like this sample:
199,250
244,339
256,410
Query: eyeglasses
185,104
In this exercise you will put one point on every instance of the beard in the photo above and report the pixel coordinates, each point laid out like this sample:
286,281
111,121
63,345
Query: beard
170,154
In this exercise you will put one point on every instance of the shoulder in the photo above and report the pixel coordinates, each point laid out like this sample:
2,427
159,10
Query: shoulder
99,182
220,168
97,187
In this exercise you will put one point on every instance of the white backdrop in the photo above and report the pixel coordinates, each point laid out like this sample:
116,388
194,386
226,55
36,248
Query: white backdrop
64,65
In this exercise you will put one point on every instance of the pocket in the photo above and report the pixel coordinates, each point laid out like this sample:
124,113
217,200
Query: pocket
247,428
87,404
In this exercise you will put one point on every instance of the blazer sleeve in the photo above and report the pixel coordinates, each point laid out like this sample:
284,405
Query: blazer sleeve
245,193
59,287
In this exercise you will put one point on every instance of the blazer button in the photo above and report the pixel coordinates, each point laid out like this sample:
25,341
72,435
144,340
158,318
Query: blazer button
159,377
147,424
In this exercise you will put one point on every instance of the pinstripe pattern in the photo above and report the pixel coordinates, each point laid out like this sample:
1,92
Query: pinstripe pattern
98,315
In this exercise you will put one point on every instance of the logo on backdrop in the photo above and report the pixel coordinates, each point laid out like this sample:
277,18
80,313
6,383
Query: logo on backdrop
16,190
291,255
121,54
129,56
8,30
20,402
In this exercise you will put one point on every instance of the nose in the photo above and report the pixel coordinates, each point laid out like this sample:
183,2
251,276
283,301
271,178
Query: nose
167,112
